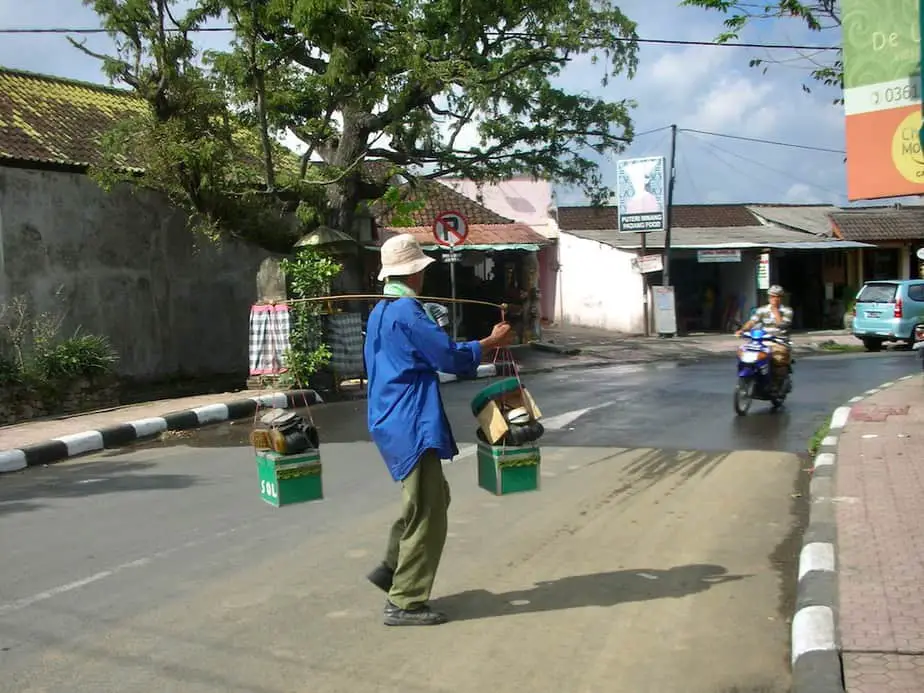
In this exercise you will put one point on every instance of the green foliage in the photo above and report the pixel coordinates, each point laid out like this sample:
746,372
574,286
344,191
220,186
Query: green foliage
401,209
309,275
344,77
32,352
78,356
818,15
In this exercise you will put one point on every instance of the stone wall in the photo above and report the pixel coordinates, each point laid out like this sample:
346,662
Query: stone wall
22,402
123,264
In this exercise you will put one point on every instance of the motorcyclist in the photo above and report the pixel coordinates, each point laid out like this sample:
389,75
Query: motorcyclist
776,319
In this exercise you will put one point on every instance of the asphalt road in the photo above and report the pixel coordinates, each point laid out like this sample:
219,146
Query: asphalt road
658,555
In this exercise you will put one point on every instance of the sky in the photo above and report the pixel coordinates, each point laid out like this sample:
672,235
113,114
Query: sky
704,88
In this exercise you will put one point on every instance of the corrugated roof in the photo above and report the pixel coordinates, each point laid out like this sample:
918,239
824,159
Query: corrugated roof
482,235
814,219
883,224
52,120
682,216
730,237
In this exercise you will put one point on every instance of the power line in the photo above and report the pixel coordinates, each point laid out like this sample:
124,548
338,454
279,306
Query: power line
227,29
762,166
763,141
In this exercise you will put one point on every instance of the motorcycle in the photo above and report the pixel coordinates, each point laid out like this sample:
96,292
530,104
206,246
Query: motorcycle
755,373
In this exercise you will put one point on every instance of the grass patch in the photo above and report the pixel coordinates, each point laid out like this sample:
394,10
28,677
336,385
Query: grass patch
819,435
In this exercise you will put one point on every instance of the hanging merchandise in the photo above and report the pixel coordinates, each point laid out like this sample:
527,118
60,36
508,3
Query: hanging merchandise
288,457
509,428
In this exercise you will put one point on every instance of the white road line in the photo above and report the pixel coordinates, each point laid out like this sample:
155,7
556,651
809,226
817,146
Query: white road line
26,602
48,594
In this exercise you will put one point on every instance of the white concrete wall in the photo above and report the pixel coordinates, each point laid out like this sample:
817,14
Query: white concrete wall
597,286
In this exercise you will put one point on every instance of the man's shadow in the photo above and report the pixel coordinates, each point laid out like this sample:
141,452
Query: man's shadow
598,589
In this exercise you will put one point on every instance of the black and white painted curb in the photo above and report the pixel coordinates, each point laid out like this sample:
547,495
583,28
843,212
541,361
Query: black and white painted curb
72,445
816,657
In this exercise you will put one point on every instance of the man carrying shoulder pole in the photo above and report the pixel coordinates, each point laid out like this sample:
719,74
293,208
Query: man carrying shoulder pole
404,351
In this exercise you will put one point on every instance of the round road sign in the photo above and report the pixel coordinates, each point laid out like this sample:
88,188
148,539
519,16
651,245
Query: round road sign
450,229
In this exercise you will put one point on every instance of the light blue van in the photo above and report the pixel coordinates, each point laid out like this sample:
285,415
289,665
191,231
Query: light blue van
888,311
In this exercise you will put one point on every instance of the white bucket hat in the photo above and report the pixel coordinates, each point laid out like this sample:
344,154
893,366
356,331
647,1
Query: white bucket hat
775,290
402,257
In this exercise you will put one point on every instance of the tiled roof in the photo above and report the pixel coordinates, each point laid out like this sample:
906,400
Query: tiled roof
883,224
50,120
479,234
682,216
437,198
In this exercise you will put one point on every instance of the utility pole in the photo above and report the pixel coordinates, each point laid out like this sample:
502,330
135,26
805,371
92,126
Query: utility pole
666,273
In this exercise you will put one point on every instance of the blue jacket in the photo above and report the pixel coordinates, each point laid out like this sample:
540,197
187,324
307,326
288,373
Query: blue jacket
403,351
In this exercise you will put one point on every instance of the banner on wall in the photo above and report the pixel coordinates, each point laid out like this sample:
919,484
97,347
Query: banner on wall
882,98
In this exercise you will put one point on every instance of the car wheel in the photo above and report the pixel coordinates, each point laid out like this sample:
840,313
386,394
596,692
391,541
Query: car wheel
873,344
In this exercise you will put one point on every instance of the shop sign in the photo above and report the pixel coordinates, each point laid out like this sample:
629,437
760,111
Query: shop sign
763,272
640,194
718,255
882,98
648,263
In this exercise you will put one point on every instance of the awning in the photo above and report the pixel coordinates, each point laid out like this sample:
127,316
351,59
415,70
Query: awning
820,245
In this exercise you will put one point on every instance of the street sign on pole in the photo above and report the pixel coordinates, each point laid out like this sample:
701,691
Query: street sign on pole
450,229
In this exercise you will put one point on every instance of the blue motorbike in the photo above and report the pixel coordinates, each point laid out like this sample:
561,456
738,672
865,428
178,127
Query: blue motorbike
755,373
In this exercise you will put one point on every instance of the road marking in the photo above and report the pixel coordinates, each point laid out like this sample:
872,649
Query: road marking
12,460
816,556
26,602
839,417
80,443
48,594
829,440
812,630
554,423
824,459
464,451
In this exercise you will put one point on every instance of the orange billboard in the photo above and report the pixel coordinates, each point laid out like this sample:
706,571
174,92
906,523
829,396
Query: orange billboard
882,98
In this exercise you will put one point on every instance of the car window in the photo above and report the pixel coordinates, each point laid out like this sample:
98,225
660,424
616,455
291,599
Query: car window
916,292
877,293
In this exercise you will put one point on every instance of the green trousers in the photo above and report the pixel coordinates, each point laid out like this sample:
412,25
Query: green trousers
415,544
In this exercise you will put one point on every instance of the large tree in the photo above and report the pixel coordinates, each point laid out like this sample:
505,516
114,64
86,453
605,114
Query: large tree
357,80
823,16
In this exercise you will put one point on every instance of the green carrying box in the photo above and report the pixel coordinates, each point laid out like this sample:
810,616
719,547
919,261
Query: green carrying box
289,479
505,470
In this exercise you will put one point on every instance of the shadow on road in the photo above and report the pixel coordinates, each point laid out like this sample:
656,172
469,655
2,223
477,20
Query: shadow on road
657,465
89,479
576,591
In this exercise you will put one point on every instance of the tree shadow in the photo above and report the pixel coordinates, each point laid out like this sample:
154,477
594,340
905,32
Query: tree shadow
84,480
657,465
577,591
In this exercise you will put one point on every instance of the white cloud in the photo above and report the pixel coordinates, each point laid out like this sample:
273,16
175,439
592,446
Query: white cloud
802,194
735,104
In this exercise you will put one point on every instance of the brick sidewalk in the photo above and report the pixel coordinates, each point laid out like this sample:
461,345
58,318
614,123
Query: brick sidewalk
880,509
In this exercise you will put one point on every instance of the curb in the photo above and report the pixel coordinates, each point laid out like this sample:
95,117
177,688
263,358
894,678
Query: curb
119,435
816,657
